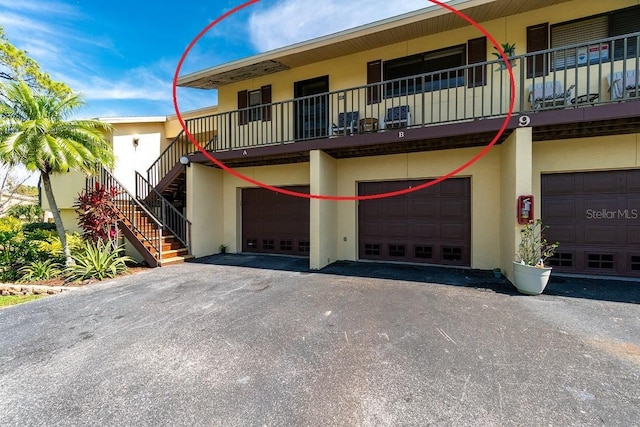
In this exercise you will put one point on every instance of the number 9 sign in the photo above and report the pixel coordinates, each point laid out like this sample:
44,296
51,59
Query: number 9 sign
524,121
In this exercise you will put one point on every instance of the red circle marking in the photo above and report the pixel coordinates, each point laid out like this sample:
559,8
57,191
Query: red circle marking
344,198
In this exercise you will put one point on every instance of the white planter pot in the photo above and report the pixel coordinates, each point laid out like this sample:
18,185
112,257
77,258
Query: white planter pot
530,280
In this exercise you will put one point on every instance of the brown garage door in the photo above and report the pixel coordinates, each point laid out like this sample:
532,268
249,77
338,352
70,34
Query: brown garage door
431,225
275,223
595,216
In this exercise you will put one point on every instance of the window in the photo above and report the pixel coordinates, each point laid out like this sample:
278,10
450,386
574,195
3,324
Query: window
537,39
583,31
425,63
255,99
259,100
580,32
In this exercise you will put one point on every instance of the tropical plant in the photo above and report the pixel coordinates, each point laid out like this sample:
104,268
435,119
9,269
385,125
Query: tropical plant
15,250
28,213
509,49
96,214
97,261
534,248
35,131
39,270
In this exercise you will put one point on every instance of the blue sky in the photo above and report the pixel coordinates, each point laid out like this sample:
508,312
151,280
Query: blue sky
121,55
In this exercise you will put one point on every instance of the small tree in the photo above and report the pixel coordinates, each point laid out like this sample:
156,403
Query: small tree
16,65
97,216
35,131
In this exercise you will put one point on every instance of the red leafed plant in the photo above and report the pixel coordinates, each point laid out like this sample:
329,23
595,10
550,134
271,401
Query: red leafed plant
96,215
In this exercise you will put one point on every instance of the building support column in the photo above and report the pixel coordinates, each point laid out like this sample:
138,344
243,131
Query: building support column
323,213
204,209
516,169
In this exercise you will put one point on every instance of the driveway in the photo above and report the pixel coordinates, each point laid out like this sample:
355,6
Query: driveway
252,341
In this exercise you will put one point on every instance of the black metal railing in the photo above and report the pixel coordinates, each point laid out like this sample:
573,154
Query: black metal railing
172,219
137,217
602,71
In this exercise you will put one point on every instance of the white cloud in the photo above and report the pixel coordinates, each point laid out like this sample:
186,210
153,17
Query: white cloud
293,21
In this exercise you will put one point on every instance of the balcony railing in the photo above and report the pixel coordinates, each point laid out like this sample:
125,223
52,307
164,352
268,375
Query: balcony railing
602,71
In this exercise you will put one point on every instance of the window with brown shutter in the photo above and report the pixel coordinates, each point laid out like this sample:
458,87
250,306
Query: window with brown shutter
537,39
477,53
266,100
243,103
625,21
254,105
374,75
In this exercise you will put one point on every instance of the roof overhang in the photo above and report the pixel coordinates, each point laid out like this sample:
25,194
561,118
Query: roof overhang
419,23
133,119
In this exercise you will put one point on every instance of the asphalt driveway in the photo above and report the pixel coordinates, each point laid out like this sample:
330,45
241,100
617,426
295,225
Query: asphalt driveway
252,341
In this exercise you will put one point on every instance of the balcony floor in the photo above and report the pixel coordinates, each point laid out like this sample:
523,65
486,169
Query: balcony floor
565,123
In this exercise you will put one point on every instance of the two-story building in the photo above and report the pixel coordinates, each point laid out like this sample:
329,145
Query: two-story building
394,104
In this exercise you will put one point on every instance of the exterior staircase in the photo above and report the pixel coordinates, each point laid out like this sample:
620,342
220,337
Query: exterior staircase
159,232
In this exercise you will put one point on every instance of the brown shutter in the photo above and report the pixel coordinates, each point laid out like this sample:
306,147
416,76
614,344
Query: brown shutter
477,53
243,103
265,92
537,39
374,75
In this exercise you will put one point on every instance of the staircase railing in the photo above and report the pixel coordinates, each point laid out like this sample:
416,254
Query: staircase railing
174,221
149,231
180,146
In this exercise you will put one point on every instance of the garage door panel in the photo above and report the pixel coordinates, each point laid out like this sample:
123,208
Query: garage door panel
397,231
453,232
396,209
633,236
430,225
423,209
274,222
454,209
424,231
604,182
456,188
633,183
560,208
601,237
561,187
564,233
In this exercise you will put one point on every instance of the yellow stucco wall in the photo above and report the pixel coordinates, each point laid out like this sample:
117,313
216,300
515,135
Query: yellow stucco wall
205,209
351,71
131,158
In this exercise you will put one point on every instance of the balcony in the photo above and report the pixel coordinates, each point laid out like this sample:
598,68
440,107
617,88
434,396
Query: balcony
602,72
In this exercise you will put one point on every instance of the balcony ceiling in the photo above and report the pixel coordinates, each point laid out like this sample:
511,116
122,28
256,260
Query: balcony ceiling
398,29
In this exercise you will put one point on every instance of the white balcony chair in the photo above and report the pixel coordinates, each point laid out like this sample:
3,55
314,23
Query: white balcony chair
549,94
623,85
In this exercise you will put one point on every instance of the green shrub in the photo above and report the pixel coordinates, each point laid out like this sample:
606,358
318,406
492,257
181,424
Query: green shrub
97,261
15,249
36,226
53,247
39,270
23,244
10,224
28,213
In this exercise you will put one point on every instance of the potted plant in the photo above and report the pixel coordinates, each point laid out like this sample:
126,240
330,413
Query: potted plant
530,275
497,273
223,248
509,50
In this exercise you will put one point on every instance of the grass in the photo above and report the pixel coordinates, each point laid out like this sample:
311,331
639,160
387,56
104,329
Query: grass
17,299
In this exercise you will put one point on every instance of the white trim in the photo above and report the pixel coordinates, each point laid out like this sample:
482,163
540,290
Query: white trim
371,28
133,119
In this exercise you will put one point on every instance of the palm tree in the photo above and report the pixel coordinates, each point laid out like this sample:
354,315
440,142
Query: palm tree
36,131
